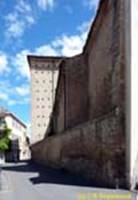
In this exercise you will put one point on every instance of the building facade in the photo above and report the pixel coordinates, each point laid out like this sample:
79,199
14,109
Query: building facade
93,128
44,76
19,145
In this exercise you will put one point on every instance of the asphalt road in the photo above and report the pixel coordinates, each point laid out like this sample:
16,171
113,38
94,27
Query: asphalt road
28,181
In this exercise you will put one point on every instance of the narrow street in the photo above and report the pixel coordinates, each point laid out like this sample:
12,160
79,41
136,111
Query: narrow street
28,181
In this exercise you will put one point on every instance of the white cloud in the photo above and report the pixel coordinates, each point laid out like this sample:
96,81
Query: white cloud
72,45
85,26
21,64
23,7
3,96
62,46
22,17
18,20
12,102
45,4
93,4
65,45
16,29
46,50
14,95
5,87
69,45
23,90
3,63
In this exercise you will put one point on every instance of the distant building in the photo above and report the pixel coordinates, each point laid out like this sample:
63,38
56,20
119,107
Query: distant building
19,145
2,126
44,76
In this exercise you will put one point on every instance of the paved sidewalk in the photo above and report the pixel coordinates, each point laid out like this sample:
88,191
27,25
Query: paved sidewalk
4,182
27,181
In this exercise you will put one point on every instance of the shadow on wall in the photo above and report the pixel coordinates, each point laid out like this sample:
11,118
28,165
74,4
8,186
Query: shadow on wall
47,175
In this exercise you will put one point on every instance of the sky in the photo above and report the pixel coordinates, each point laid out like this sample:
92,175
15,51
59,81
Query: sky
38,27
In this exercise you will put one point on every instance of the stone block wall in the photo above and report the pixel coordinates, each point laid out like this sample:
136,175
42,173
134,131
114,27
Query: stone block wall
71,103
76,87
88,133
93,149
104,52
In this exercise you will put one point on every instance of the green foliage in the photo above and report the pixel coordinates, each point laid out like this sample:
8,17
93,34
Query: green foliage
5,140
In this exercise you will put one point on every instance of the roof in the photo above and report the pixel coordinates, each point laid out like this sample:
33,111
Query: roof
45,59
4,114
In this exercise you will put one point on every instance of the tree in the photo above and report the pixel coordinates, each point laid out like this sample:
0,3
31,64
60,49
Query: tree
5,140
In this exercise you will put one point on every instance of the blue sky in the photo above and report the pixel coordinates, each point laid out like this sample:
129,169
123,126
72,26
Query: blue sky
39,27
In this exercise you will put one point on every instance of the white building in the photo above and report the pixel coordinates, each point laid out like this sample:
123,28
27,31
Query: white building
44,76
20,148
131,42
